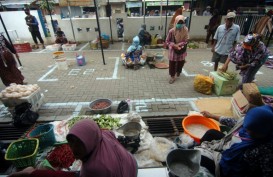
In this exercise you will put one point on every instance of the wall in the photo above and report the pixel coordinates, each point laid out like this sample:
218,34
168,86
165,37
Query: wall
19,24
75,11
131,26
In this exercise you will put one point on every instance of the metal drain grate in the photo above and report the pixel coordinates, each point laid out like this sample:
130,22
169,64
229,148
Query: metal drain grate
9,133
164,126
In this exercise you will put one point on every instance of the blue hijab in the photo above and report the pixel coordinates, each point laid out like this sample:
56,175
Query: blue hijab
258,120
135,45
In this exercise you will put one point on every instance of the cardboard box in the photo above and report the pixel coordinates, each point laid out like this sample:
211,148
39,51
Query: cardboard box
223,86
235,110
240,102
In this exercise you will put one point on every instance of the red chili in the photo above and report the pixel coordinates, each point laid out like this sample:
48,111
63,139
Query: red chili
61,157
101,105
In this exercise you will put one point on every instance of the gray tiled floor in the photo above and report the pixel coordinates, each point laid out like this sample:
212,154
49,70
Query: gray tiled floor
148,89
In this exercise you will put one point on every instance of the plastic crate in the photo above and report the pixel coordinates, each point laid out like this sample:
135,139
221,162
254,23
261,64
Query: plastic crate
32,98
22,153
45,134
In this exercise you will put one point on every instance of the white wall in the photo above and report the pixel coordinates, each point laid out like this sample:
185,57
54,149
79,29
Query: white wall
15,20
131,26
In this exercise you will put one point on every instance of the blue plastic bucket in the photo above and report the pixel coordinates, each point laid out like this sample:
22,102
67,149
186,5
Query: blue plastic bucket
80,60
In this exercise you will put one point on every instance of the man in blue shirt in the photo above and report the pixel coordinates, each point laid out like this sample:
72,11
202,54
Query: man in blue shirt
225,39
33,27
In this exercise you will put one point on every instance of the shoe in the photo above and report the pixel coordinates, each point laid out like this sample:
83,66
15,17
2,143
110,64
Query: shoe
37,47
171,81
25,83
43,47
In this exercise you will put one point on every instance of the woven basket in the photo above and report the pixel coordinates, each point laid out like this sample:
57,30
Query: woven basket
45,134
105,44
22,153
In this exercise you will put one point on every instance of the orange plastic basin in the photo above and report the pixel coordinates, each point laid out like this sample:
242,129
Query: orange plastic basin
195,119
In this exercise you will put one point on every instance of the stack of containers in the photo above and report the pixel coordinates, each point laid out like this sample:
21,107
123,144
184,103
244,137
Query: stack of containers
60,60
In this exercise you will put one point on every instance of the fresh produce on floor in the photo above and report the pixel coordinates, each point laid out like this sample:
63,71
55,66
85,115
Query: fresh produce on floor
107,122
101,105
104,121
18,91
61,156
227,75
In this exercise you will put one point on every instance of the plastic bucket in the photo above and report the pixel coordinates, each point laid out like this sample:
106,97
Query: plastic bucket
183,162
80,60
200,120
62,64
58,55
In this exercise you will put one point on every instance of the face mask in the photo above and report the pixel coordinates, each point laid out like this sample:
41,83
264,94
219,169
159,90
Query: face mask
179,26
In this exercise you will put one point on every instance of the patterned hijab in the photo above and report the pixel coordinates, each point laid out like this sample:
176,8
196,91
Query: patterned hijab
179,33
106,156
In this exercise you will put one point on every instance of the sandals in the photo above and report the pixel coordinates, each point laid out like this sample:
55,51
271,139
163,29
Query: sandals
171,81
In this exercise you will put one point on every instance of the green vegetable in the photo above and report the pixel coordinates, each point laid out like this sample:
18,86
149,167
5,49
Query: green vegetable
104,121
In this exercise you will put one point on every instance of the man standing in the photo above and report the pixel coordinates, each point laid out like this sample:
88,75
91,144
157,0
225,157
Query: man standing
207,11
33,27
225,39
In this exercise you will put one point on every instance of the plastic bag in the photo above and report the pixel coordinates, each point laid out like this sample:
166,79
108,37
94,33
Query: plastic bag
23,116
160,147
186,141
133,117
203,84
123,106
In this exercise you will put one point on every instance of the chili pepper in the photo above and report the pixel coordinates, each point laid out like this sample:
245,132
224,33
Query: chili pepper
61,156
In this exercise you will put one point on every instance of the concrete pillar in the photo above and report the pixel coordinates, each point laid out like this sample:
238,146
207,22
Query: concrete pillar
102,11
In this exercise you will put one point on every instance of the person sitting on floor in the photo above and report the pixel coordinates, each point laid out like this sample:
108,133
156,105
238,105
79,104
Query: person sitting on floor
99,150
247,149
133,54
60,37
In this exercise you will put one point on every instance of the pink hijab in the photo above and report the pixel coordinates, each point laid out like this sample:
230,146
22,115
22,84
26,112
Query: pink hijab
107,157
181,35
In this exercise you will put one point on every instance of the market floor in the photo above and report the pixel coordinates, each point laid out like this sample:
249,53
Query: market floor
69,92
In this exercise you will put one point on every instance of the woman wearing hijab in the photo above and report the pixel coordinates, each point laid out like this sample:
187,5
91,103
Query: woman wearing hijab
9,72
178,11
248,56
176,40
100,152
133,54
247,151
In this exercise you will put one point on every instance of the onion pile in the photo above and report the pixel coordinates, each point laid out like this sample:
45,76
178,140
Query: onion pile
18,91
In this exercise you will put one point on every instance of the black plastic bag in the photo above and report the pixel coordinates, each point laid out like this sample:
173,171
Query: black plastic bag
123,106
23,116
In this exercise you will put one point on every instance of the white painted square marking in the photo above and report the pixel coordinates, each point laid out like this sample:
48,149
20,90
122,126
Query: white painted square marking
74,72
88,71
